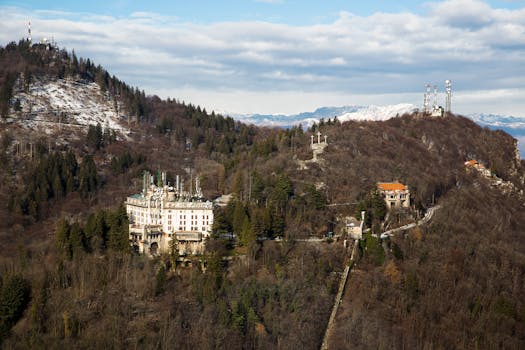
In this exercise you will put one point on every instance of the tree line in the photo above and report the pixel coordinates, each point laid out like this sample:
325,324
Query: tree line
104,230
54,176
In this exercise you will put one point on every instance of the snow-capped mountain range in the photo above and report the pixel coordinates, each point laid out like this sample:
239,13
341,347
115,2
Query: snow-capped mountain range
343,113
510,124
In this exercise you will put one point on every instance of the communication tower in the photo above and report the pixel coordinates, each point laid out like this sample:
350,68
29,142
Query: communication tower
435,97
448,89
29,32
426,100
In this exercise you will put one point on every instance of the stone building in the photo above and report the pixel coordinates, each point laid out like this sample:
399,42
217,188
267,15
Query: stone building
354,227
395,194
164,215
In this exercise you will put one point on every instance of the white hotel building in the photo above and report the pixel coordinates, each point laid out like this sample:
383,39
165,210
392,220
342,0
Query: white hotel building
164,214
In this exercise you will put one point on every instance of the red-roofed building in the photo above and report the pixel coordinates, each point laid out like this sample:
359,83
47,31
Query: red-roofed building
474,164
395,194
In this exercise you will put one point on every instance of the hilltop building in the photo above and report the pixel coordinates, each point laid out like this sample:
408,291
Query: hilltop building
437,112
474,164
354,227
395,194
162,216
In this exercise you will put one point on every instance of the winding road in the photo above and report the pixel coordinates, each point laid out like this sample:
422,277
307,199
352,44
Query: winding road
429,214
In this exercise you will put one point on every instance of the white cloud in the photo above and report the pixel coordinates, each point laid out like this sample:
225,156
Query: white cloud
384,55
463,13
337,61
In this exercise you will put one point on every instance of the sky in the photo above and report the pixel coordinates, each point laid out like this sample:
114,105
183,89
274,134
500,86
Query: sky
291,56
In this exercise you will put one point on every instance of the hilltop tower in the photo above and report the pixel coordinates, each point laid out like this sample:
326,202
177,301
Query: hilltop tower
29,32
426,99
448,89
435,97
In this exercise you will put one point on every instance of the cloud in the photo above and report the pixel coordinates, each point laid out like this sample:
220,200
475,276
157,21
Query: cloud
478,47
463,13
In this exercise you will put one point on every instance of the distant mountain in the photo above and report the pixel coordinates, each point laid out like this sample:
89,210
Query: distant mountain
343,113
508,123
371,112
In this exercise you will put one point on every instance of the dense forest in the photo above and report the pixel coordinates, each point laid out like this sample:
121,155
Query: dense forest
69,279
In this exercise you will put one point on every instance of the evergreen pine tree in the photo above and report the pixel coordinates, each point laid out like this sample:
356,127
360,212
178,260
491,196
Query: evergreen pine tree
62,237
14,297
239,215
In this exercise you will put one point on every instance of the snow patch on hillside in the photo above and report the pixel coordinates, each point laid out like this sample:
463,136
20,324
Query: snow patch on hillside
68,103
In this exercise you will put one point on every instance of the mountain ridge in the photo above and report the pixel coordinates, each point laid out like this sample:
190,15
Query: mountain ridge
515,126
357,112
343,113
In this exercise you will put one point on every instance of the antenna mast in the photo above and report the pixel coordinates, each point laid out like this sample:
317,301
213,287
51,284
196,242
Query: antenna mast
29,32
448,89
426,100
435,97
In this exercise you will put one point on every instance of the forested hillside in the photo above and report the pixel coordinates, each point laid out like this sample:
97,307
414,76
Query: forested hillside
70,280
454,284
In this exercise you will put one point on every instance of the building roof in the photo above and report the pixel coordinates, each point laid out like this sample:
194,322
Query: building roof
391,186
474,163
352,222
